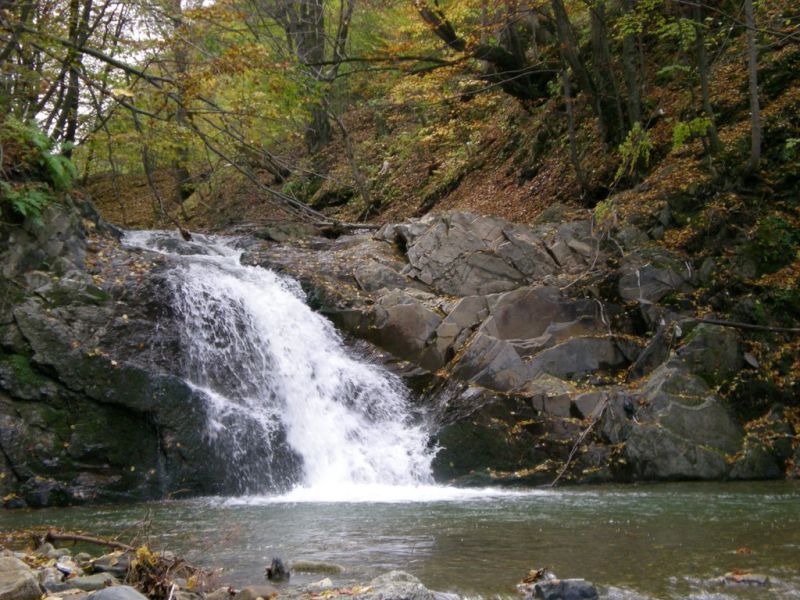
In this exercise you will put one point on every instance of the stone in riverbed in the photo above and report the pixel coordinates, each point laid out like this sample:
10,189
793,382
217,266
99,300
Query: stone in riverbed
256,591
564,589
396,585
119,592
17,581
96,581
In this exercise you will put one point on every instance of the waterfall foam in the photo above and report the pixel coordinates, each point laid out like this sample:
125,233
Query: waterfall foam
275,372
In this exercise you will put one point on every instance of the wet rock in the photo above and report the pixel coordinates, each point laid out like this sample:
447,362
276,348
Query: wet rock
564,589
253,592
492,363
404,325
96,581
312,566
655,453
17,581
396,585
742,579
223,593
712,352
321,585
115,563
453,331
119,592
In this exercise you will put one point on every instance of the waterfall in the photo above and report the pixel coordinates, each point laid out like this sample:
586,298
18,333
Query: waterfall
276,374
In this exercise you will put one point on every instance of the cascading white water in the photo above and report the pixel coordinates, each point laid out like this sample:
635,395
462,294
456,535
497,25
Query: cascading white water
273,370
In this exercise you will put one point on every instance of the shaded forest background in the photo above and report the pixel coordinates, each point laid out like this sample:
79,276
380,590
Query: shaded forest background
678,116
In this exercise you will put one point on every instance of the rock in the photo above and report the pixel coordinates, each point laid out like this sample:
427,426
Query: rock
321,585
396,585
118,592
492,363
223,593
549,395
57,553
17,581
577,357
373,276
648,276
712,352
116,563
742,579
564,589
655,453
466,255
312,566
453,331
96,581
654,354
254,592
587,405
404,325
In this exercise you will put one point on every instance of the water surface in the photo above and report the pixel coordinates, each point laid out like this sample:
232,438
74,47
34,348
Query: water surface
664,540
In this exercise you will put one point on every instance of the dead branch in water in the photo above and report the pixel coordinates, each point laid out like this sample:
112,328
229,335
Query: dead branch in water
54,536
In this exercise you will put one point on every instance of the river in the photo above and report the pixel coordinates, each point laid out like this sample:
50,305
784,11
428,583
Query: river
660,540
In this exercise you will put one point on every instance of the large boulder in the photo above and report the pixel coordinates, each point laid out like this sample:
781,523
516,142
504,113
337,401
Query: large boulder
673,427
464,254
17,581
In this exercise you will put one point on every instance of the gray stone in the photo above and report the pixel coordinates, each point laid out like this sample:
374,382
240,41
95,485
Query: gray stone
17,581
491,363
373,276
403,327
116,563
646,277
119,592
655,453
253,592
464,255
577,357
564,589
713,352
96,581
396,585
587,405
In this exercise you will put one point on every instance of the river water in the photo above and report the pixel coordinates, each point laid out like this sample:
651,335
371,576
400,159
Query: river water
657,541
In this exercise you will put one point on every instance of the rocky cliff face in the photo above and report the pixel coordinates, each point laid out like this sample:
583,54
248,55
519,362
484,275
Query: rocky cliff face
91,408
520,341
532,344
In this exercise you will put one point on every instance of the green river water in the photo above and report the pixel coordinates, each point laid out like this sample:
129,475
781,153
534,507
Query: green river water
660,541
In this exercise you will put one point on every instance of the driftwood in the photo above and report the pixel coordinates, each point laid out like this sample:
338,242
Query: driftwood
578,442
53,536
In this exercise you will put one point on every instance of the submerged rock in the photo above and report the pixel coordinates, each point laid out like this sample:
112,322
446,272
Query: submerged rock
564,589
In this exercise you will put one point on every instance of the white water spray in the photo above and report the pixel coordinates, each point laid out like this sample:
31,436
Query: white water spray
274,371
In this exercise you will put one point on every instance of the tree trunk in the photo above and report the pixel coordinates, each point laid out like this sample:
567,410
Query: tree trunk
180,166
752,72
611,116
702,69
630,66
573,144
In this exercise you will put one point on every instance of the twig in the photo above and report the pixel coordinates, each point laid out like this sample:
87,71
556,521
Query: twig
751,326
579,442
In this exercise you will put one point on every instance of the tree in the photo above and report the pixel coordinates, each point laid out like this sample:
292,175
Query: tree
752,75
